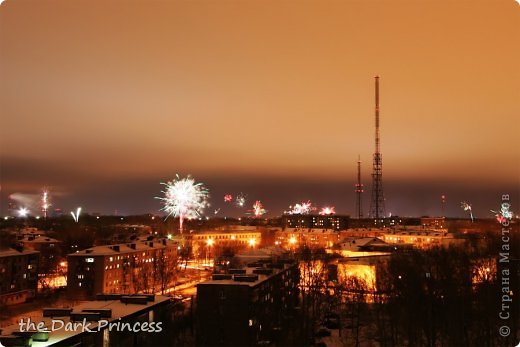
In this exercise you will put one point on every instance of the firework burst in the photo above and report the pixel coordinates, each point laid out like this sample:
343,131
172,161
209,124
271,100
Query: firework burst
45,202
75,215
466,206
258,209
184,198
303,208
240,200
228,198
327,211
504,214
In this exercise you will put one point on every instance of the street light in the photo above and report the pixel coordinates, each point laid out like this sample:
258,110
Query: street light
23,212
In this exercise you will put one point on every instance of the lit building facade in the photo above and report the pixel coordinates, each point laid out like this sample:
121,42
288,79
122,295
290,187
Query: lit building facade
433,222
421,239
359,274
139,267
292,238
311,221
204,242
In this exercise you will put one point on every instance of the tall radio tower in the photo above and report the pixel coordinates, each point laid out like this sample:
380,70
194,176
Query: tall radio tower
359,191
377,204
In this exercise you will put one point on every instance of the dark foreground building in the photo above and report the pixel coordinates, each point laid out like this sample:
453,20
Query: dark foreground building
247,306
18,274
113,320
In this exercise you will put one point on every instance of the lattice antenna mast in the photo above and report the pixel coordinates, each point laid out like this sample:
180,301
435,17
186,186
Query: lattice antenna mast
377,204
359,191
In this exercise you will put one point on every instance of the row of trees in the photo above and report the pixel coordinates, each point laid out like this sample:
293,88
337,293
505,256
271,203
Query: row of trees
159,275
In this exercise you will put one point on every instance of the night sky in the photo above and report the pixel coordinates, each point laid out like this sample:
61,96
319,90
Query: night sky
102,100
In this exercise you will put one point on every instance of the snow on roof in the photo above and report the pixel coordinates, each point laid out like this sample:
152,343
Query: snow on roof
11,252
38,239
129,247
119,310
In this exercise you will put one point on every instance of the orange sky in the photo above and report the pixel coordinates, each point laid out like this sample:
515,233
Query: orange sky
145,89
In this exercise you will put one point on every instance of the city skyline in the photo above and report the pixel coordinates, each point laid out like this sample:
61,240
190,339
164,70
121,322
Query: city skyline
103,101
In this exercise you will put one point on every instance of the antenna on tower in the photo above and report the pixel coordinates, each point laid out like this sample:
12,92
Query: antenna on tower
377,204
359,191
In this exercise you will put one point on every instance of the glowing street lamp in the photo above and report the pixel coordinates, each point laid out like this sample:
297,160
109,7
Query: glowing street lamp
252,242
209,243
23,212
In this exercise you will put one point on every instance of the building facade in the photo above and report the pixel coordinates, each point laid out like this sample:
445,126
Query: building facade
433,222
210,243
18,275
311,221
421,239
139,267
292,238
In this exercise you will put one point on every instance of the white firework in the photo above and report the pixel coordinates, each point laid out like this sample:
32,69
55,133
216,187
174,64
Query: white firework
466,206
240,200
303,208
184,198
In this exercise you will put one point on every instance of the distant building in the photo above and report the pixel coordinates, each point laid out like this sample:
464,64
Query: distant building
139,267
362,247
364,270
18,275
421,239
292,238
311,221
208,241
433,222
247,306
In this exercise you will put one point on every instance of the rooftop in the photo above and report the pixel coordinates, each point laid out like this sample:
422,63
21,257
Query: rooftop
222,231
311,230
118,310
37,239
129,247
11,252
250,276
428,233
